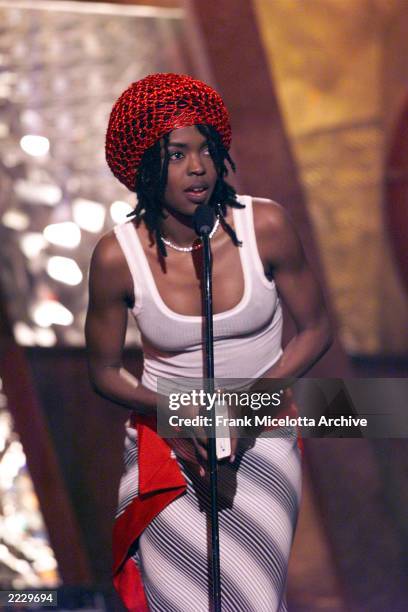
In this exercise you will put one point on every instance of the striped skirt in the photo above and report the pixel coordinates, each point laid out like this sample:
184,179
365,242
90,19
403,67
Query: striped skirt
259,496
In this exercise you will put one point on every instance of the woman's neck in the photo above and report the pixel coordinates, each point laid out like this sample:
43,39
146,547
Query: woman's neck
178,228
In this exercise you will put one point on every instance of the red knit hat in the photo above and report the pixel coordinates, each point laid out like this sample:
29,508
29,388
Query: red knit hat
150,108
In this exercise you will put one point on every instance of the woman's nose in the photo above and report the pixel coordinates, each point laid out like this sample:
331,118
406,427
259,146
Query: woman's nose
196,165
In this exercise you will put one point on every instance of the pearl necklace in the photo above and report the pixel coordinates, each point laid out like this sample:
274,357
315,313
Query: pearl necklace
193,247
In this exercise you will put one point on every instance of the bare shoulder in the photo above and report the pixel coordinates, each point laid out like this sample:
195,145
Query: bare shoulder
275,233
269,216
108,263
107,252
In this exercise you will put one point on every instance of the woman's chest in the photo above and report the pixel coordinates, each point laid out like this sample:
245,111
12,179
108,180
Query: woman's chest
180,285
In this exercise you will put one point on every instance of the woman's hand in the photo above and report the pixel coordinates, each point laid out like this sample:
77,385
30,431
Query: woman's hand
194,447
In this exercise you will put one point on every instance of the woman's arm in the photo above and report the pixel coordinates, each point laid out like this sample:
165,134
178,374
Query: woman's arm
110,288
300,291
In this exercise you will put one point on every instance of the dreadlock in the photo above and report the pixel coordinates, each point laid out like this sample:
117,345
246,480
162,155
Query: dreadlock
151,182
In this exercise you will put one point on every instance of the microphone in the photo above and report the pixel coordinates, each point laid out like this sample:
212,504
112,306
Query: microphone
203,223
203,220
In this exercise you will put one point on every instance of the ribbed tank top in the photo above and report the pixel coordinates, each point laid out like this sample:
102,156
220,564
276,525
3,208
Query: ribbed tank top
247,337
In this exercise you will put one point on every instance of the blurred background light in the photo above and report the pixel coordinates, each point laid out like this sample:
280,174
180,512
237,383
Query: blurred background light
45,336
26,557
24,334
55,181
16,220
66,234
11,158
32,244
30,119
64,269
37,146
11,463
32,336
119,210
44,562
89,215
38,193
4,129
51,312
5,429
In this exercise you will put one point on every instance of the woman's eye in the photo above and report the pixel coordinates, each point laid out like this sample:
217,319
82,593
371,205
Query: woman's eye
206,151
175,155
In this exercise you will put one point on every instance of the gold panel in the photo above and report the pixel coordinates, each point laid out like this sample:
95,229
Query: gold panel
324,56
326,60
340,170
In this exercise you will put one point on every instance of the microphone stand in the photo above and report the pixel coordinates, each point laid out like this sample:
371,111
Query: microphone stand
212,453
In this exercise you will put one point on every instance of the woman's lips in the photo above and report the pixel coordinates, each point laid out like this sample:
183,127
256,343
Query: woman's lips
196,196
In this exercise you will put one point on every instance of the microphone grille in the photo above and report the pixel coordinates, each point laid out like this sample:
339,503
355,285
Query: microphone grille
203,219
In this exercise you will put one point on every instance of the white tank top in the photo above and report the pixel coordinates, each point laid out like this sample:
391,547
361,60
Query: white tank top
247,337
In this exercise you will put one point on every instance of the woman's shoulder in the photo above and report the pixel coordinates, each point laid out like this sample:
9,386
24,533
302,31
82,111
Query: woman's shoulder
109,269
107,253
275,233
269,216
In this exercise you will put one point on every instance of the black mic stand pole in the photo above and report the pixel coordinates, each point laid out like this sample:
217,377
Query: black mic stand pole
212,453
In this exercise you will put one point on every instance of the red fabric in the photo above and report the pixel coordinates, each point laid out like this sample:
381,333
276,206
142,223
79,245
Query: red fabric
128,583
160,482
154,106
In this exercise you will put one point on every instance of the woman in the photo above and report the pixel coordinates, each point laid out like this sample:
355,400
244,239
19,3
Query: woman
168,140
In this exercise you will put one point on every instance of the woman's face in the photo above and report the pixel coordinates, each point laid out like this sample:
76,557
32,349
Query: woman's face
191,173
